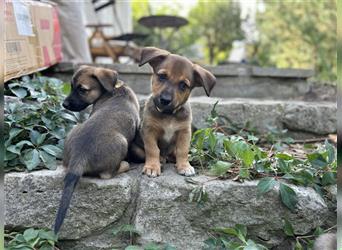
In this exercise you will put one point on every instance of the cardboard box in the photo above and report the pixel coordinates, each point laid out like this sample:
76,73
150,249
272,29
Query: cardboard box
32,37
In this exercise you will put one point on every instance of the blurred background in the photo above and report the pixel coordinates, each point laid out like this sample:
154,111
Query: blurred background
283,34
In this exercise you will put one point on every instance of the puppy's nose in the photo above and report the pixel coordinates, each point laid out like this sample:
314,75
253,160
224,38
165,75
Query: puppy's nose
66,104
165,99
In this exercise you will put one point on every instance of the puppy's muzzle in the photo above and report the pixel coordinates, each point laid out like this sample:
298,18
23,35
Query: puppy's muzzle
165,99
164,103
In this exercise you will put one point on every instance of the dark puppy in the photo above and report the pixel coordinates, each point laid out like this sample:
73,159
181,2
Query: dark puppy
99,145
166,125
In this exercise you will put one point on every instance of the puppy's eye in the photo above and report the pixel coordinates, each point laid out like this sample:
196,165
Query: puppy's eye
182,86
162,77
83,90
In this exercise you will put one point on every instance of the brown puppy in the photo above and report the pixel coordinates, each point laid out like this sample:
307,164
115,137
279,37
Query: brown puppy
166,125
99,145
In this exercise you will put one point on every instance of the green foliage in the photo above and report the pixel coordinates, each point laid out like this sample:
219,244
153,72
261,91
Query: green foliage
298,34
217,24
209,23
31,239
302,241
35,123
231,238
240,158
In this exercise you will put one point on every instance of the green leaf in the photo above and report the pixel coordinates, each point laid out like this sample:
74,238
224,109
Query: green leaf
266,184
14,132
283,166
36,137
329,178
242,229
19,92
31,158
52,150
288,196
212,141
288,229
317,160
298,246
47,235
30,234
284,156
331,152
48,160
220,168
14,149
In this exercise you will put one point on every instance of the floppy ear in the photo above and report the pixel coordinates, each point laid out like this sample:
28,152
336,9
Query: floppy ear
153,56
204,78
106,77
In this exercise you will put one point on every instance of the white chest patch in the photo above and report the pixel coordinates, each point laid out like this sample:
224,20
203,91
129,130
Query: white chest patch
169,132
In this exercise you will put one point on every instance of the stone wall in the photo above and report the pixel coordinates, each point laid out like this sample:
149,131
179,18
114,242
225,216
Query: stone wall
157,207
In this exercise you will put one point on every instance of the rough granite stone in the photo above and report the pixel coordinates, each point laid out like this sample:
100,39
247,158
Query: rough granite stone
32,200
157,207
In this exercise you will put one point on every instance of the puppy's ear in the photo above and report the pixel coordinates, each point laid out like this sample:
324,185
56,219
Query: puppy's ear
153,56
106,77
204,78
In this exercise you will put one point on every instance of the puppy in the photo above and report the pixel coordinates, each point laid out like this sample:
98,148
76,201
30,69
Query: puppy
166,123
99,145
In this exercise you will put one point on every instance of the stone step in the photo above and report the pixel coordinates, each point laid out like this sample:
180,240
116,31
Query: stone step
243,81
301,119
157,207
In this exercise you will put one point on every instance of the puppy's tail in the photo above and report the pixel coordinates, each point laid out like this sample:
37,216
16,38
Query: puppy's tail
70,182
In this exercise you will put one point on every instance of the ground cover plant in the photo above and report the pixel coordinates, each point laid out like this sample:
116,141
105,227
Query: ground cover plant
35,123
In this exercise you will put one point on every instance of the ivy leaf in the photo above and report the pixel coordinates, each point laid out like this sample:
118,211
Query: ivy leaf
52,150
317,160
220,168
329,178
212,141
48,160
36,137
285,157
266,184
331,152
30,234
288,228
19,92
31,158
288,196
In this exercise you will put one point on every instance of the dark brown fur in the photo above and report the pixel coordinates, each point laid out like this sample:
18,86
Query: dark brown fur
99,145
166,125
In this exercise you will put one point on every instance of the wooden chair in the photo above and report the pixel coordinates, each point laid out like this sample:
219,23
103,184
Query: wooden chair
107,47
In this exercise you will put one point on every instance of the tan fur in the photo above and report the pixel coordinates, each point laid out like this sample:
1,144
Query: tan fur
166,129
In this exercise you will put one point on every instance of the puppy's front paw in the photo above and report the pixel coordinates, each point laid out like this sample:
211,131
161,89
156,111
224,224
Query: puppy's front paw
151,170
185,169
